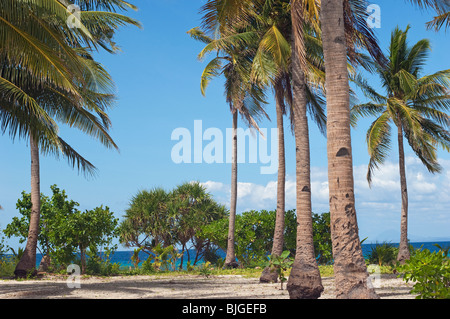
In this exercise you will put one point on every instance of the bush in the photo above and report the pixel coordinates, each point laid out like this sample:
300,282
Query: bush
7,266
64,230
322,238
431,273
253,233
101,265
382,254
254,236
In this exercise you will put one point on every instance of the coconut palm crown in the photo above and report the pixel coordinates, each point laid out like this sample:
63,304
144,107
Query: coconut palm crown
416,104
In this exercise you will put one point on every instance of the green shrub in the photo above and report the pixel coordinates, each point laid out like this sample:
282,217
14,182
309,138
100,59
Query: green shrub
147,266
322,238
253,233
382,254
7,266
96,265
280,264
431,273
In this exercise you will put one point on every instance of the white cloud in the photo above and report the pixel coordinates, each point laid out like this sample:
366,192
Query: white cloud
212,186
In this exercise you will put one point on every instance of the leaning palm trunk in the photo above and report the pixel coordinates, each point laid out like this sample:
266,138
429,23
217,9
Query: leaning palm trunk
230,259
268,274
304,280
351,277
403,251
27,264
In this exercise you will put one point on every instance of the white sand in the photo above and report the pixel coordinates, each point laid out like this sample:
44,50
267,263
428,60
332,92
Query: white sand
179,287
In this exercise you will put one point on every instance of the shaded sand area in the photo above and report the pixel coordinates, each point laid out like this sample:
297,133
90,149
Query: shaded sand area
176,287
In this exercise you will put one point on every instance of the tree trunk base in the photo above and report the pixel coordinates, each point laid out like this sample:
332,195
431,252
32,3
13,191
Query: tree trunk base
26,266
360,291
353,283
304,283
403,255
24,272
231,265
269,275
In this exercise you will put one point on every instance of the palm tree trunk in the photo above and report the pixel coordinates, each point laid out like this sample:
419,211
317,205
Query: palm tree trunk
269,275
403,251
304,280
27,264
230,259
351,277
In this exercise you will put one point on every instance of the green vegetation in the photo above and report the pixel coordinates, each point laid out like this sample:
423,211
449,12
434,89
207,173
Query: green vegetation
84,233
158,219
382,254
280,264
302,50
66,231
431,273
415,105
253,244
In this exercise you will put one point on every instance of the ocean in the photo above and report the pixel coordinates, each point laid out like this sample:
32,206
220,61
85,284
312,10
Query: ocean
123,258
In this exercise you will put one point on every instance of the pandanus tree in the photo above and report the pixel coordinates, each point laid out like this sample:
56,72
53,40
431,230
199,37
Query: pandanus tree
233,61
415,105
47,72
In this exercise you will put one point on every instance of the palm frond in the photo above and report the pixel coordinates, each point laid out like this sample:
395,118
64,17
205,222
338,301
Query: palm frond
367,89
379,143
212,69
364,110
440,21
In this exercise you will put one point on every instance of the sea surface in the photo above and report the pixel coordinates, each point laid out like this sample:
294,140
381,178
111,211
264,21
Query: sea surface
123,258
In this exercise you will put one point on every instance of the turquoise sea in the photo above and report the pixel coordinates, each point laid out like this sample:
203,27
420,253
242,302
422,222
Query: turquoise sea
123,258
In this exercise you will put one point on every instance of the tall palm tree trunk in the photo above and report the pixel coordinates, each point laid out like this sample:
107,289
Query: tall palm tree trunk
269,275
27,264
351,277
230,259
403,251
304,280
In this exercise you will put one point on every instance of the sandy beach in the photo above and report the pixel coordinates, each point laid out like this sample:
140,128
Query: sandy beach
179,287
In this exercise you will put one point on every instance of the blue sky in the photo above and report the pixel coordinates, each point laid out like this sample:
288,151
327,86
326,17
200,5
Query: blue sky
157,78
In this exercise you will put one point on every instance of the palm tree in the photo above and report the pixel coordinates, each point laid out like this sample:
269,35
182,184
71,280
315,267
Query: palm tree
357,35
416,105
269,24
233,60
349,266
78,90
304,280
